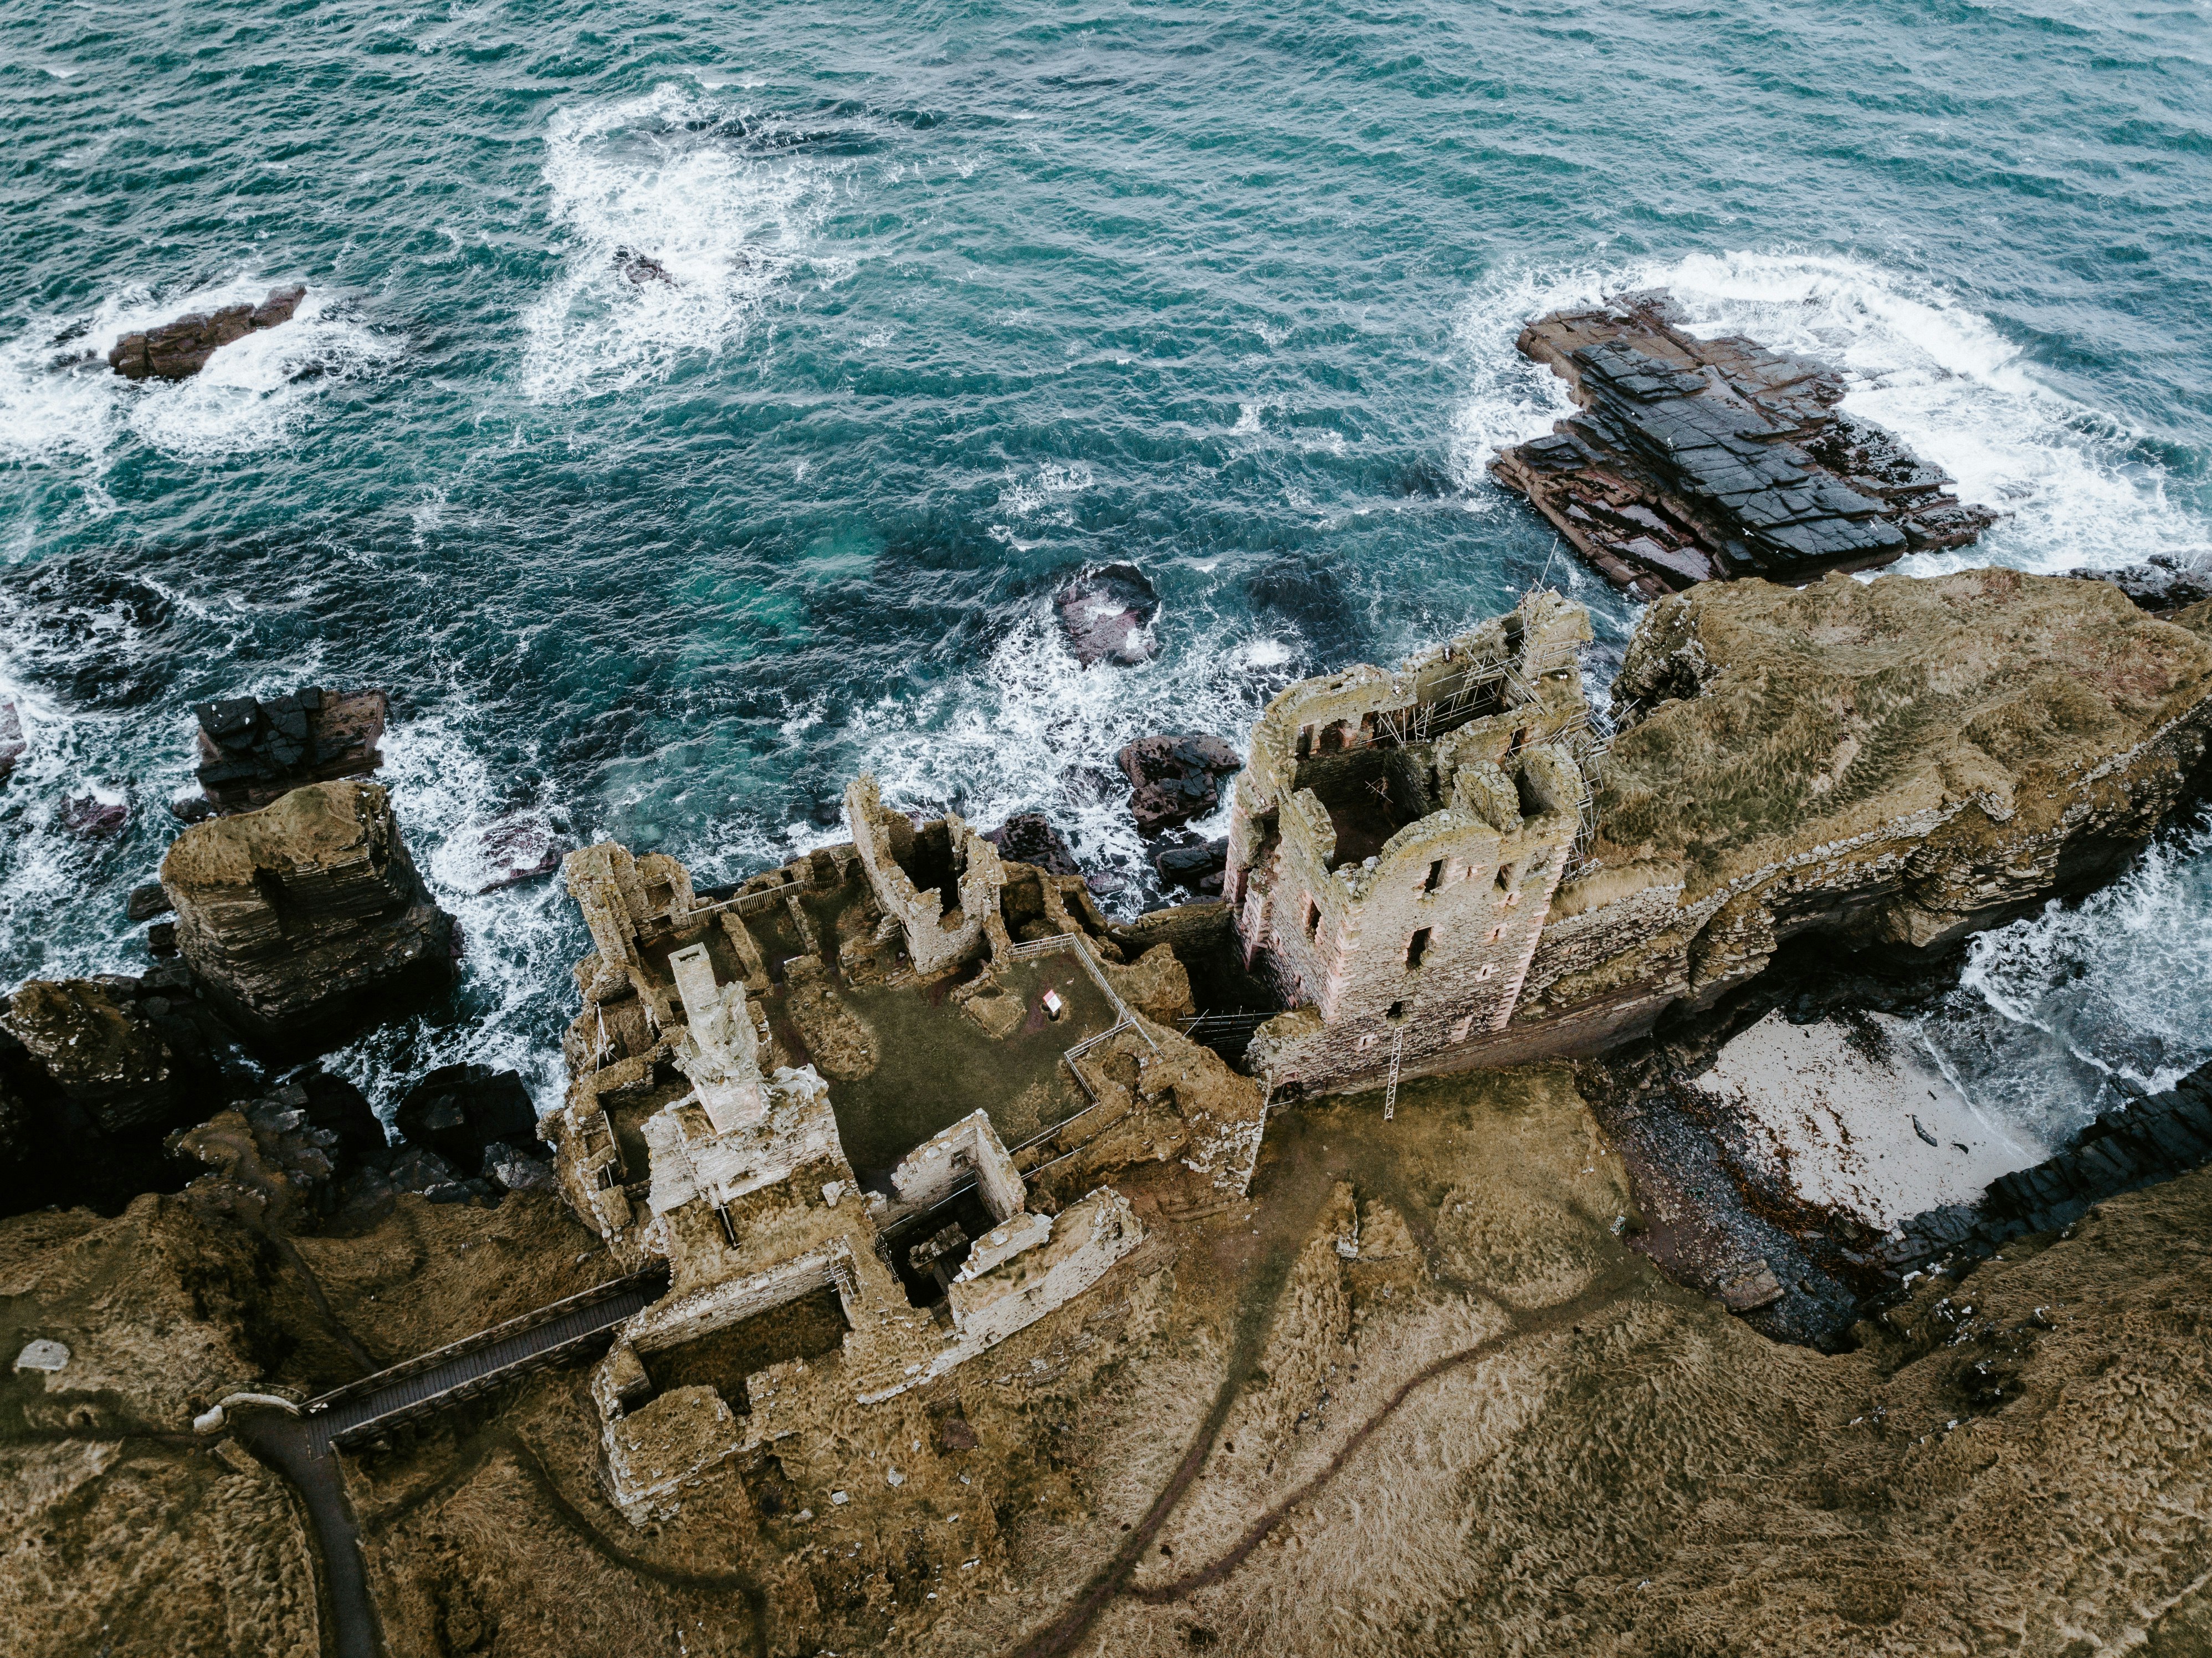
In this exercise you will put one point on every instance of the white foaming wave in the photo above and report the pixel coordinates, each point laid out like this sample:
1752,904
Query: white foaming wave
61,403
1036,730
517,942
2052,1012
1917,359
256,393
1508,399
1025,497
665,177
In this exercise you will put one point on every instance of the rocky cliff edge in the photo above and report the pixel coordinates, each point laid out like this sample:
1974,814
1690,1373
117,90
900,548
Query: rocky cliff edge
1897,763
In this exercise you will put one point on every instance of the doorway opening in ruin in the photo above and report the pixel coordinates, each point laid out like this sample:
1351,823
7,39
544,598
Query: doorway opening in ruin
1396,1013
1505,877
1313,919
1416,947
1436,877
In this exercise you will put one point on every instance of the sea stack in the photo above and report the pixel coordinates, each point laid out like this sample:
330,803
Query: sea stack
306,922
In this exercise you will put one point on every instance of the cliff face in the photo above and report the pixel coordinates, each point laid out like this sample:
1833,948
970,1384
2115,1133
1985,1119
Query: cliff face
306,922
1897,763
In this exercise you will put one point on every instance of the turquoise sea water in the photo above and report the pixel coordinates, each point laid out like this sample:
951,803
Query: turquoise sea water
963,297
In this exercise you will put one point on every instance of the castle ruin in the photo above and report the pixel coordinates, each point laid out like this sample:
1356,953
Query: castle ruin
1396,840
741,1076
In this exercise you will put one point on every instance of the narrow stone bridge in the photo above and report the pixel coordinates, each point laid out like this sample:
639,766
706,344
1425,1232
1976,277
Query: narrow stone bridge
299,1442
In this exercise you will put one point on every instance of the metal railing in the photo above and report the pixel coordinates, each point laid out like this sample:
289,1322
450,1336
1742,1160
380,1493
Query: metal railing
1080,946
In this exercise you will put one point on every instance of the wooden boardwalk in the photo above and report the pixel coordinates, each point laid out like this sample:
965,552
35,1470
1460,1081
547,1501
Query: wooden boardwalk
362,1411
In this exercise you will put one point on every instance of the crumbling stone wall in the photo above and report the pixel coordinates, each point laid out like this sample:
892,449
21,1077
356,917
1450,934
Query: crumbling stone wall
940,935
929,1173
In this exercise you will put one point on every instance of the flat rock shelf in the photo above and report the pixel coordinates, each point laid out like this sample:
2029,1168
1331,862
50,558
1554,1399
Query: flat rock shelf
1695,460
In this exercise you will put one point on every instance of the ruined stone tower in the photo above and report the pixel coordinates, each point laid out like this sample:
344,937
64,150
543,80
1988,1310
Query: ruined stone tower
1396,842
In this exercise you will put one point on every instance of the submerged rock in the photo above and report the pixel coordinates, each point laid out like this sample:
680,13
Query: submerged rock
1695,460
1107,613
1175,779
515,849
12,744
92,815
178,350
253,752
642,267
306,922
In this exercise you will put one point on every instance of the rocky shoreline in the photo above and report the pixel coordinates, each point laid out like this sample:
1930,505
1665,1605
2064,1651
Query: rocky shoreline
1508,1049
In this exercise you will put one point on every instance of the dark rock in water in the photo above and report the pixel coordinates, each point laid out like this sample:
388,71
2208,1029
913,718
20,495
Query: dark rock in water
516,849
459,1111
252,753
1175,779
161,940
191,808
147,901
517,1169
1108,614
306,922
92,818
2163,582
1029,837
1697,460
1197,868
642,268
12,744
178,350
1093,783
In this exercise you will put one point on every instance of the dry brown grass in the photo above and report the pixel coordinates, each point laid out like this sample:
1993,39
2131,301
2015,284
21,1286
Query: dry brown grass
1514,1438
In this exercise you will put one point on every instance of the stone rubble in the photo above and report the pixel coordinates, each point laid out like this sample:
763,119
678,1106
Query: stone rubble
1107,613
